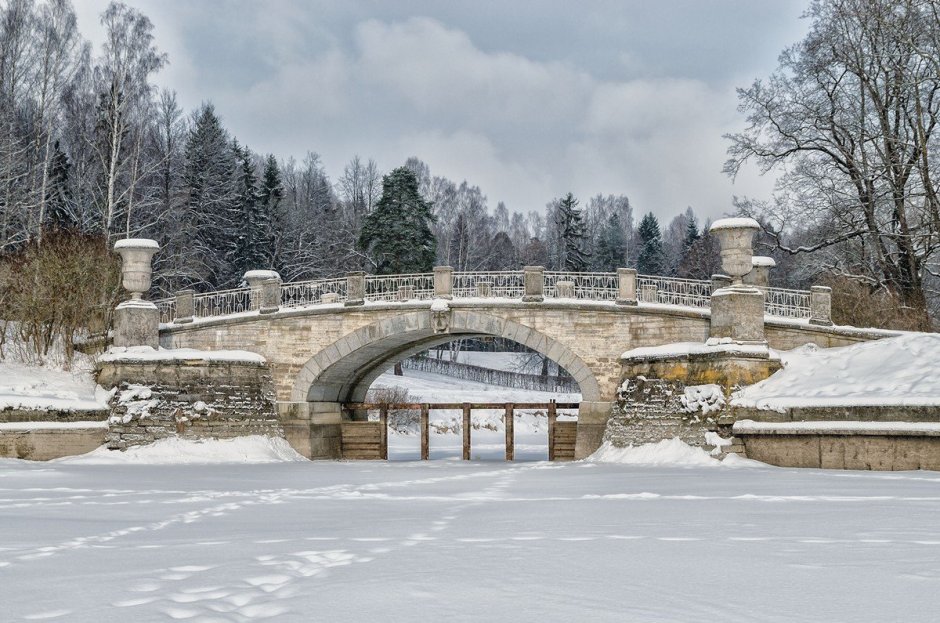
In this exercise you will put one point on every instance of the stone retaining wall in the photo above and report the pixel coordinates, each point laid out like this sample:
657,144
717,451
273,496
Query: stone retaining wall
190,399
44,444
901,451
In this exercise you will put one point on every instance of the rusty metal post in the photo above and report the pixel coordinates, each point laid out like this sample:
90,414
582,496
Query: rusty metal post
552,416
510,437
425,432
383,435
466,431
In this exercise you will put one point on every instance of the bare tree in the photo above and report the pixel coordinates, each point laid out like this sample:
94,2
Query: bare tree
849,119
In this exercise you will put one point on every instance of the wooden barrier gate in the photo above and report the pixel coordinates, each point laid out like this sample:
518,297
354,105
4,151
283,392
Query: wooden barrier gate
369,440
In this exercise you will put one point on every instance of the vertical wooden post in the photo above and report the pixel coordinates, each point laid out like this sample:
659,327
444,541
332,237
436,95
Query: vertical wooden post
466,431
425,433
383,433
510,437
552,416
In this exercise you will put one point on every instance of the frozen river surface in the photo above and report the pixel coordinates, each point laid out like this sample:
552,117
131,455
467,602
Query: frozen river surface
480,541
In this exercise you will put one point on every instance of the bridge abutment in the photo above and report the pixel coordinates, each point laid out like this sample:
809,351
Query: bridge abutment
313,429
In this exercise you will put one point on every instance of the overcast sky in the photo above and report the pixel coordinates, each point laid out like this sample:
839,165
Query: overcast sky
526,99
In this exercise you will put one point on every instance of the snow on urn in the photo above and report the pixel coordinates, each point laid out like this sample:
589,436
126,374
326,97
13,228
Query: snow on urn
136,255
735,236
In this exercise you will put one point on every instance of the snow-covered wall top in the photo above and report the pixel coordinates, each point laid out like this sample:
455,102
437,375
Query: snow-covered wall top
146,353
898,371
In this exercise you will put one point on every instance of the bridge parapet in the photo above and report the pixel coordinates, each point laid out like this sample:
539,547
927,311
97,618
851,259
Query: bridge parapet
624,286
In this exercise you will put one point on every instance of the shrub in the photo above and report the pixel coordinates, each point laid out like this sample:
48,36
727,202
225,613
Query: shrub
54,292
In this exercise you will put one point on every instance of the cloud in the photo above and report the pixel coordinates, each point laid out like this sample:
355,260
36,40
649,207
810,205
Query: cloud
288,78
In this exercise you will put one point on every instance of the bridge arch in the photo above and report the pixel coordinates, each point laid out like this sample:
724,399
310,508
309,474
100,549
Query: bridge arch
344,370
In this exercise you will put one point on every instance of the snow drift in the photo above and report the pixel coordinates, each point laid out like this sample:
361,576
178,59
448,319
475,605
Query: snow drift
897,371
176,451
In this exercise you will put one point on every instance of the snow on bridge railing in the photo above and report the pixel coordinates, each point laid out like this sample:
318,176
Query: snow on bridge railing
507,284
779,302
785,303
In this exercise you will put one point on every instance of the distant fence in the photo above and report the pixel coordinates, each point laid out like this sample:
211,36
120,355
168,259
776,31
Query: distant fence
489,376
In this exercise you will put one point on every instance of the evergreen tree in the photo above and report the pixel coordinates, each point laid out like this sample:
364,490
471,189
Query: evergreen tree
270,197
652,260
58,215
611,245
211,178
252,244
691,233
570,225
397,234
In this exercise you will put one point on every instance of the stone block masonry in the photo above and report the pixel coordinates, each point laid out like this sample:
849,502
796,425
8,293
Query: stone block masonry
187,398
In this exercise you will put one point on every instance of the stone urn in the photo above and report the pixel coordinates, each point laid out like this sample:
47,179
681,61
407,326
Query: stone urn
735,236
760,271
136,255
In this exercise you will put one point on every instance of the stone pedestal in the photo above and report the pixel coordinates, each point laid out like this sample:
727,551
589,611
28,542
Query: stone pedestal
137,323
820,304
270,296
738,314
185,306
626,290
533,279
255,280
355,289
443,282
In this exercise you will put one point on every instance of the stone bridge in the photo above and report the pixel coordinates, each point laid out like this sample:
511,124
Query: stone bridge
326,341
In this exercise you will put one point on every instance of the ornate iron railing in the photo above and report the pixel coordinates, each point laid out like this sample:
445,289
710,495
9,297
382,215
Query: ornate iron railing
784,303
673,291
304,293
167,308
390,288
224,302
508,284
778,302
588,286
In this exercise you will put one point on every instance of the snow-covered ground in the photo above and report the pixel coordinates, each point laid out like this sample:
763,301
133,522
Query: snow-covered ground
25,386
510,362
478,541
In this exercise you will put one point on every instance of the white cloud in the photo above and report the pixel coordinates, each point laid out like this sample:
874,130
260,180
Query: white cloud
522,128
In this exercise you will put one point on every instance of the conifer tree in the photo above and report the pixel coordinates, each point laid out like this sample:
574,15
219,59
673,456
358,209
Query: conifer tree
251,250
397,235
211,179
691,233
58,215
611,245
570,224
270,196
652,259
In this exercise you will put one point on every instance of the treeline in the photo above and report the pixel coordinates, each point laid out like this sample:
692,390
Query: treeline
90,145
